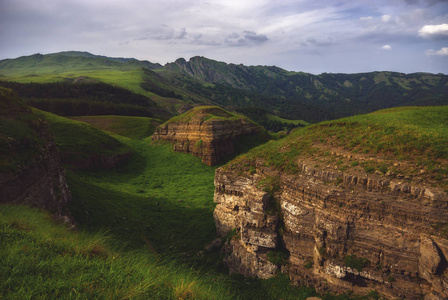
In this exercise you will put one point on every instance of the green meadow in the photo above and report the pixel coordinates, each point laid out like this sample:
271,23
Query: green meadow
142,230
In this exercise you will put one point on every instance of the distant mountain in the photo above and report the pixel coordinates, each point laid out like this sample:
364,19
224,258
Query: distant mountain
67,60
296,95
183,84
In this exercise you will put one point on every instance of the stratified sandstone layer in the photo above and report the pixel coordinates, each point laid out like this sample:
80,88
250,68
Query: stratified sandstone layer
339,231
206,132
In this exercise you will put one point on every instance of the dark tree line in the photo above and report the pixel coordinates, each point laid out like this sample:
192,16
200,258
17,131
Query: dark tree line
67,99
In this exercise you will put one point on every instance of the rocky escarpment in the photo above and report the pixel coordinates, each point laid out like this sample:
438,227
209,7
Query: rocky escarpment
210,133
323,207
366,233
31,171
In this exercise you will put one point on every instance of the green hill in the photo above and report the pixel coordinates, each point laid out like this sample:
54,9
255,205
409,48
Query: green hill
291,95
409,142
78,141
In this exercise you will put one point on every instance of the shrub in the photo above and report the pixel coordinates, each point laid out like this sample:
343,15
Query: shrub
354,262
277,257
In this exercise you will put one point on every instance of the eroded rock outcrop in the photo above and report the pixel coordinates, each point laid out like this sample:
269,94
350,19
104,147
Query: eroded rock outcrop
210,133
31,171
364,233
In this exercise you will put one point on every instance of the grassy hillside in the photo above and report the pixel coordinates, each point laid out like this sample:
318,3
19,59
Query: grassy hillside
291,95
20,130
61,66
78,140
297,95
157,210
409,142
43,260
131,127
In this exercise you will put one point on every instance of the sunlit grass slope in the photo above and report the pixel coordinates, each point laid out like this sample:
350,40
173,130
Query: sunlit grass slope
415,137
131,127
59,67
44,260
78,140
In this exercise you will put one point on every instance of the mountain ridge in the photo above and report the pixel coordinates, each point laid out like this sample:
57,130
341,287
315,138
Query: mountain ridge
292,95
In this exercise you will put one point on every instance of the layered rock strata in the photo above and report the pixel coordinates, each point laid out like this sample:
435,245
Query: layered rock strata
336,231
209,133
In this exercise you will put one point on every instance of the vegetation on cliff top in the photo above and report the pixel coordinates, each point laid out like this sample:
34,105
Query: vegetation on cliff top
204,114
411,141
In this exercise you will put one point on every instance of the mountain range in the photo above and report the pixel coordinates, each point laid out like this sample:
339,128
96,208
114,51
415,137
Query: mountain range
183,84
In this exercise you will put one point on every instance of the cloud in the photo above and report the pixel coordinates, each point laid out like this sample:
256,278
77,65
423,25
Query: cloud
246,38
320,42
162,32
385,18
345,33
434,31
255,38
441,52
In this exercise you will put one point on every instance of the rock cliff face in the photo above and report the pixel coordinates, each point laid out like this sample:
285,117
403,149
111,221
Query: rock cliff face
210,133
31,171
365,233
352,204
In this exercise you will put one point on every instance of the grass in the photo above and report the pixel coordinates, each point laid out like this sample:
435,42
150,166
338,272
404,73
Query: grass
131,127
19,128
205,114
415,135
78,140
158,197
42,260
287,121
142,231
129,79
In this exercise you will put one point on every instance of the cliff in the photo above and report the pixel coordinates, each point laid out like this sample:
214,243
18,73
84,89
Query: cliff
208,132
338,219
30,166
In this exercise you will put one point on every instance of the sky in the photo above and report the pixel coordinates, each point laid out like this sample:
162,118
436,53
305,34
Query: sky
315,36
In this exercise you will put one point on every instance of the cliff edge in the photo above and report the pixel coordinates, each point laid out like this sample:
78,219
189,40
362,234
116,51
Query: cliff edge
208,132
30,166
355,204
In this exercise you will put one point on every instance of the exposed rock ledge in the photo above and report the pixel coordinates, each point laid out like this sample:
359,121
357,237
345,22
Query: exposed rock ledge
339,231
206,132
36,179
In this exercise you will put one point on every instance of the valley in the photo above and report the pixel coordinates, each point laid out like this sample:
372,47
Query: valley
175,176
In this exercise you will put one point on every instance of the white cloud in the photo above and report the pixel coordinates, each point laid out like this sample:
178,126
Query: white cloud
386,47
441,52
369,18
429,31
386,18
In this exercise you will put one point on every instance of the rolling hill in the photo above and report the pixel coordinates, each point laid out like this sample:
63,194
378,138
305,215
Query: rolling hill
183,84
